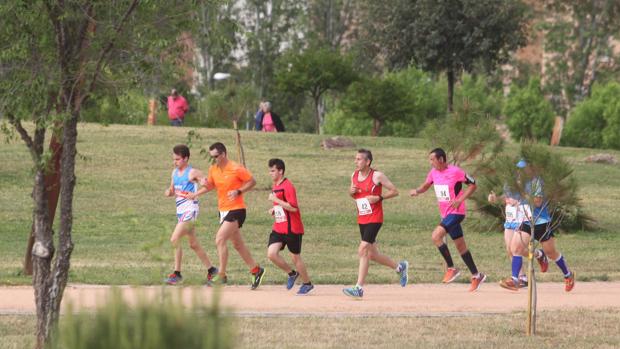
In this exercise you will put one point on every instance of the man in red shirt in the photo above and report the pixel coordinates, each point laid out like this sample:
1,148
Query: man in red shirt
177,107
287,229
366,189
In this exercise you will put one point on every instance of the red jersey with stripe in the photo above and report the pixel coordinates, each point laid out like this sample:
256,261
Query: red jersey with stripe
286,222
367,212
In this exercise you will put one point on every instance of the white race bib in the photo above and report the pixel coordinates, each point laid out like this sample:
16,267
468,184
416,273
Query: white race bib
223,215
511,213
279,214
363,206
442,192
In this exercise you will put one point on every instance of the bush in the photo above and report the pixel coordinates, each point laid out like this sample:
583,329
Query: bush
476,92
529,115
338,122
595,122
164,324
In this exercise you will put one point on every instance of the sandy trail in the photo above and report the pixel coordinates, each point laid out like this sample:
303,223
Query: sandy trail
328,300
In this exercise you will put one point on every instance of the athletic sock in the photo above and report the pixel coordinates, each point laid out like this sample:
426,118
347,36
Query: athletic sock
292,273
538,253
517,262
212,270
309,283
561,263
177,273
469,261
445,253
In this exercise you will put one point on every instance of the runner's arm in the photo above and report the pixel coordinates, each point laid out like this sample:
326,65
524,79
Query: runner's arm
381,178
285,205
471,188
420,190
353,189
170,191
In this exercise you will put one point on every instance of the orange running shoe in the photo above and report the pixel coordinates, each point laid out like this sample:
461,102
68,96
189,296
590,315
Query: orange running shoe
476,282
543,261
510,284
569,282
451,275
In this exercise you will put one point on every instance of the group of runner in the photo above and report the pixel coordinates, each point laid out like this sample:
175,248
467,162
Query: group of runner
231,181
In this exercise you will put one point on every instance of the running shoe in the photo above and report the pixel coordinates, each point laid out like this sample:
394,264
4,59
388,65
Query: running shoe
510,284
257,278
451,275
543,261
174,279
476,282
291,280
523,281
569,282
354,292
305,289
403,272
212,277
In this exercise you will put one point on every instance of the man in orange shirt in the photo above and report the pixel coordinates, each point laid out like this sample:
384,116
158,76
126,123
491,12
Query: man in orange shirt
230,180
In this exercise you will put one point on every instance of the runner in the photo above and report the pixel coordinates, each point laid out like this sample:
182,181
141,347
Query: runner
447,181
515,214
288,228
366,189
231,180
542,233
183,186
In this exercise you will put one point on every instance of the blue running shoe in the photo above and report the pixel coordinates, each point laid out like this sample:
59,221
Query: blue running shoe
354,292
305,289
174,279
291,280
404,276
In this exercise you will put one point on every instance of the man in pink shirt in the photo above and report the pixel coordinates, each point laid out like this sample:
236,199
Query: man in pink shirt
447,181
177,107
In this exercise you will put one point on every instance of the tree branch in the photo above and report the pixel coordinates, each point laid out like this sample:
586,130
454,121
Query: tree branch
24,135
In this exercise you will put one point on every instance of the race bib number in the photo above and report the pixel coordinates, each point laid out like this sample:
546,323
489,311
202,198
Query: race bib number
279,214
442,192
223,215
363,206
511,213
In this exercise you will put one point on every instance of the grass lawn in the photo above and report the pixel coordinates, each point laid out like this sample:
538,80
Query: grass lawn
123,221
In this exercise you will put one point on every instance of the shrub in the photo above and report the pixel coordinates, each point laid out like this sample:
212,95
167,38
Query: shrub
167,323
529,115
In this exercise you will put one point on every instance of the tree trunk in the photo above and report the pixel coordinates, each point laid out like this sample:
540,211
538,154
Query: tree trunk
317,114
152,112
451,77
52,191
376,127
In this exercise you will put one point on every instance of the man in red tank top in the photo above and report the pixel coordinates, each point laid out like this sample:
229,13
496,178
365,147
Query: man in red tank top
366,189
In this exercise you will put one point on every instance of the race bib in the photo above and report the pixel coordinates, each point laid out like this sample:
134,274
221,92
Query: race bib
511,213
442,192
363,206
223,215
279,214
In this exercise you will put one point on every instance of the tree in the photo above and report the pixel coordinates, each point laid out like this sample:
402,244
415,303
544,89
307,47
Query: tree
378,99
529,115
577,47
332,23
449,35
314,72
50,67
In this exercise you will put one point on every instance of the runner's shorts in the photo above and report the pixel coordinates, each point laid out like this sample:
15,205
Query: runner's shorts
187,216
452,224
542,232
369,232
232,216
292,241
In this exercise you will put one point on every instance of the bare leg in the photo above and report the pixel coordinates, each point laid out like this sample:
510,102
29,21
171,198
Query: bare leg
301,267
364,254
273,253
180,230
194,244
460,244
550,250
239,245
438,235
376,256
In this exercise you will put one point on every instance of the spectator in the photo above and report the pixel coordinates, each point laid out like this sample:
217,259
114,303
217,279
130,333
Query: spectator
271,122
177,107
258,117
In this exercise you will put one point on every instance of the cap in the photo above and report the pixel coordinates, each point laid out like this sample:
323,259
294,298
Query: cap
521,163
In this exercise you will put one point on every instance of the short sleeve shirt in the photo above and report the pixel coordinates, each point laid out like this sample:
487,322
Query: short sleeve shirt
231,177
290,222
448,185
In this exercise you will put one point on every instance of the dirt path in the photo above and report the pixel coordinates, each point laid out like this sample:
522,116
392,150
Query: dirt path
327,300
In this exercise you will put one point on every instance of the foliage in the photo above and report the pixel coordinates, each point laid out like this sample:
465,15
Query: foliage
338,122
163,323
476,92
561,192
577,42
451,35
314,72
467,135
230,104
595,122
529,115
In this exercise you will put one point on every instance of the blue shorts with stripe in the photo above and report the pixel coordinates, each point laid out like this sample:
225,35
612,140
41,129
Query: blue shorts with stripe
452,224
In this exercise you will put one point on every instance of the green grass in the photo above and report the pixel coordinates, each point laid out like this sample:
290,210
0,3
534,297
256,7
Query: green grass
123,222
556,329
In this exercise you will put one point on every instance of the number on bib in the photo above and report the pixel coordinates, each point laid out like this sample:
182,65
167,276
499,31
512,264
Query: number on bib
279,214
511,213
363,206
442,192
